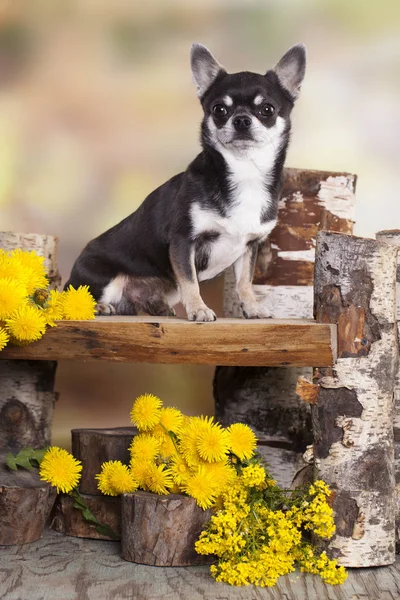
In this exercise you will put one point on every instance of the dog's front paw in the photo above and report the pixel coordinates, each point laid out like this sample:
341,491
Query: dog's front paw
105,309
202,313
254,310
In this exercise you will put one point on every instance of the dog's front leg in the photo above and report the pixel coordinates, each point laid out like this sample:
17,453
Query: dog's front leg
244,271
182,256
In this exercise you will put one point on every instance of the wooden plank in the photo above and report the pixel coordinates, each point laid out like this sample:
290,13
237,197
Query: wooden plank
65,568
238,342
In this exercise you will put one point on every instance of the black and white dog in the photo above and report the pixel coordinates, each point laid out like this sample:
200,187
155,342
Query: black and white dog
213,215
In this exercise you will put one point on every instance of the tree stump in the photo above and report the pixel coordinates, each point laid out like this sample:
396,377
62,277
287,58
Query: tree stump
265,398
392,237
26,391
69,520
95,446
161,530
353,411
25,505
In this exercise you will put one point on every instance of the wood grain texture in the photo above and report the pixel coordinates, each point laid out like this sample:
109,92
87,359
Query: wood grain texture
95,446
169,340
353,417
161,530
65,568
25,505
69,520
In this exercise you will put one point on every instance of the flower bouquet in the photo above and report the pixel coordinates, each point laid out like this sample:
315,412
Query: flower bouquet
28,306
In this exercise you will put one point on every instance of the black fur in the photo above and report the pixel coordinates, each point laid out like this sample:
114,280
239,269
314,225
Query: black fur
143,244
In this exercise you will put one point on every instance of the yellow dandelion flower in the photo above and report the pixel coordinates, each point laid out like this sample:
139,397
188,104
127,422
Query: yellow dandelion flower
167,447
159,479
115,478
60,469
222,474
144,447
242,441
139,470
146,412
213,443
53,310
78,304
175,489
12,296
201,487
12,269
4,338
171,419
180,469
33,266
26,324
188,437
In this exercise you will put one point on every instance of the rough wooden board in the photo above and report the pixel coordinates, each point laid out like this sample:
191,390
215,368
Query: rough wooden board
61,568
259,342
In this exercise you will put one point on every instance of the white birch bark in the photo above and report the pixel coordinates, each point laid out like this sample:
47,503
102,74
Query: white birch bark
353,416
26,387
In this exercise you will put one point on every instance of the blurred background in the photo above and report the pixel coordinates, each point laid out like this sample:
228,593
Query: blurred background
97,108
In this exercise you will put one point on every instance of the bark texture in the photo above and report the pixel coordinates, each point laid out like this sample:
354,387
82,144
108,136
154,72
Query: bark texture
25,505
353,415
392,237
95,446
161,530
69,520
26,391
266,398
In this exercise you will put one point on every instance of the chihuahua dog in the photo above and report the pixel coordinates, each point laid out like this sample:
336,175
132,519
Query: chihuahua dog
213,215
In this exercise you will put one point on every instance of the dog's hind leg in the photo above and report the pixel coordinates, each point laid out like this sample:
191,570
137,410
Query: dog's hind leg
150,295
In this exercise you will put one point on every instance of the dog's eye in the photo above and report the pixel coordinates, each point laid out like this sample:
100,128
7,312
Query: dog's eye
219,110
267,110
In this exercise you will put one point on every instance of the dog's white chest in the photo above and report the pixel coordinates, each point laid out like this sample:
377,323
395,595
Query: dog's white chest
242,225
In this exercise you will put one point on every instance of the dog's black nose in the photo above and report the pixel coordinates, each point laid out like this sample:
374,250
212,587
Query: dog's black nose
241,122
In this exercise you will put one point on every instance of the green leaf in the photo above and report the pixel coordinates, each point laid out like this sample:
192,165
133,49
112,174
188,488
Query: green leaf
37,455
24,462
10,461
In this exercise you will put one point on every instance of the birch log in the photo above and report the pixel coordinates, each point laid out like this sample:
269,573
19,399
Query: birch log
266,398
392,237
353,413
26,391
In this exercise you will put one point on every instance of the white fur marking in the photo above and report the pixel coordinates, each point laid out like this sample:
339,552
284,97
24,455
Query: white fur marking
112,293
227,100
249,168
258,99
242,225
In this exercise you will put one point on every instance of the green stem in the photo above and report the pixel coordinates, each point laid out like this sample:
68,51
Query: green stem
87,514
172,436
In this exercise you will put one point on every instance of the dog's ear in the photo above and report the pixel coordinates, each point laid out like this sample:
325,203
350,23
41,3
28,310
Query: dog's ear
205,68
291,69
